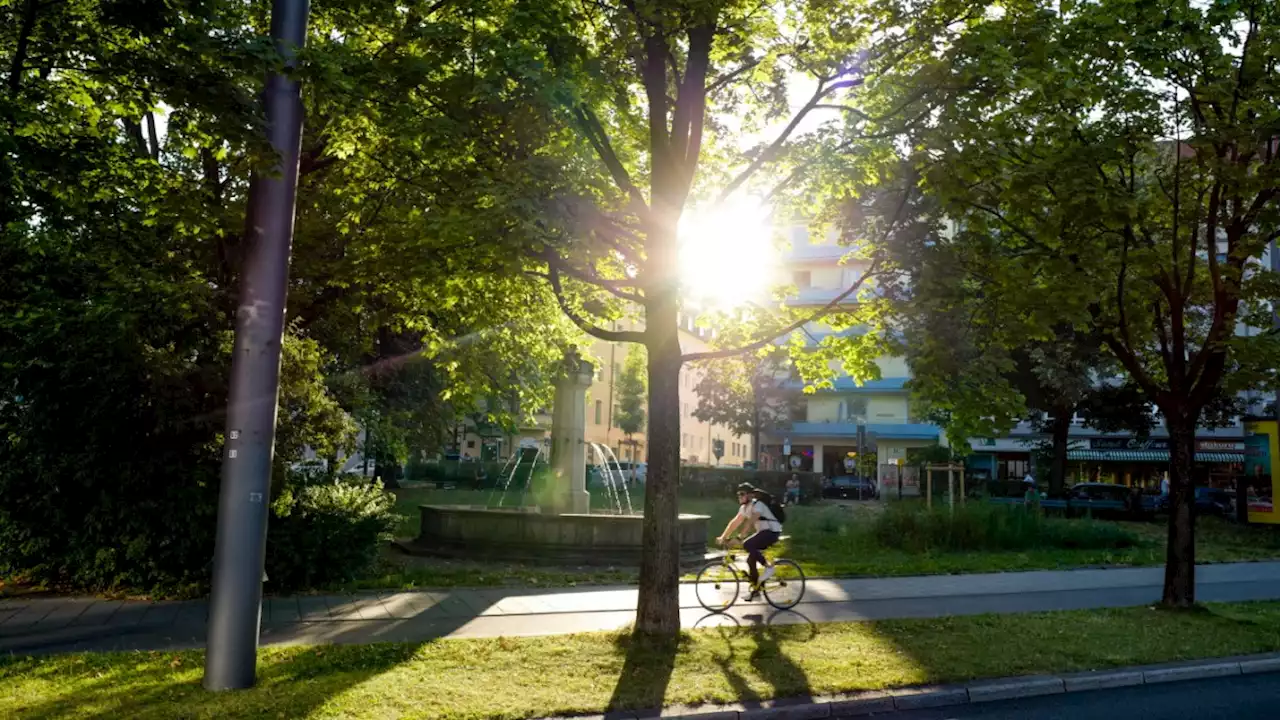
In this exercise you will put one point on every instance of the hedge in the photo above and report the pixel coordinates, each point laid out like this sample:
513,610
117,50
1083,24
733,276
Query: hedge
721,482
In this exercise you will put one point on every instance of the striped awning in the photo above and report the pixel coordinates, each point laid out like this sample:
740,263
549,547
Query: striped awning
1152,456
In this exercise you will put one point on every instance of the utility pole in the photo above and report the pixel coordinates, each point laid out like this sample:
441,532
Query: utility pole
235,608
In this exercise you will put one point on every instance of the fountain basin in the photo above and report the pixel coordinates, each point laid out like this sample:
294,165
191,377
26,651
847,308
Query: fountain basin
525,535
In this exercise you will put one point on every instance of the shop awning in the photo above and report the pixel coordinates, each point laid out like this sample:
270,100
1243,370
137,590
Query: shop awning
1152,456
1219,457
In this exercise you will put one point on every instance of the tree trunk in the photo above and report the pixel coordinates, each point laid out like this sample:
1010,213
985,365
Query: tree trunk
1061,438
388,470
1180,555
658,611
755,429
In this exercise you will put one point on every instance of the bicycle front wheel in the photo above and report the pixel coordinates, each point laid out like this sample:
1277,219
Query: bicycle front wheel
716,586
786,587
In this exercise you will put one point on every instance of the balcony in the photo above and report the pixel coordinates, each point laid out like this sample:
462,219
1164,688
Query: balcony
845,383
804,252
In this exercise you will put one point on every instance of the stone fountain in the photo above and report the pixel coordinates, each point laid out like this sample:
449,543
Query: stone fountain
566,532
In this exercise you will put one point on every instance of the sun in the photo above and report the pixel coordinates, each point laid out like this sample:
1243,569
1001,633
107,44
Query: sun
727,256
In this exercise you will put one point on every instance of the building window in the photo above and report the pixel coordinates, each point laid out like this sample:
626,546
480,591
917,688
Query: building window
686,409
599,410
798,412
802,279
1015,469
471,444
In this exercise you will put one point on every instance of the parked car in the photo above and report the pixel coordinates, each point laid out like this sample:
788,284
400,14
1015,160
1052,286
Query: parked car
1105,499
1214,501
637,470
1209,501
848,487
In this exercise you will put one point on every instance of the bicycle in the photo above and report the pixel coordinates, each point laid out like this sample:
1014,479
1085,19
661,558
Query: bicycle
717,584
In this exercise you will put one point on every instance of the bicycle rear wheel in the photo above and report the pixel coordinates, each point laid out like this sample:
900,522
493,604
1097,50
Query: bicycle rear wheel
786,587
716,586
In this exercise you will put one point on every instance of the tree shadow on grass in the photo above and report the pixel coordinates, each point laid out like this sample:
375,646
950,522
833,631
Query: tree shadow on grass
292,682
648,663
770,663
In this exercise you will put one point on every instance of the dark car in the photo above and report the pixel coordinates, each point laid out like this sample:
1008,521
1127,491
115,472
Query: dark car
1209,501
848,487
1105,499
1214,501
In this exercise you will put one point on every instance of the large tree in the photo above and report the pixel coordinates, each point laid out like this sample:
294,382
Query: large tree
1118,161
660,95
131,134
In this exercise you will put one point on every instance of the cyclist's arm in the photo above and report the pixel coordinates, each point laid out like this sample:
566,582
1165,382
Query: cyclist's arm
733,524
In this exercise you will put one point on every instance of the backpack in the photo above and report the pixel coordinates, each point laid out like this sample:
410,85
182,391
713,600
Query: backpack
775,507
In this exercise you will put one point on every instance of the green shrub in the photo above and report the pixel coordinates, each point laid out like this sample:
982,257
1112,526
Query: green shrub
977,526
326,532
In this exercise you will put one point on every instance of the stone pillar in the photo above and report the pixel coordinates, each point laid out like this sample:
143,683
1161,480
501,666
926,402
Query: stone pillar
817,458
568,433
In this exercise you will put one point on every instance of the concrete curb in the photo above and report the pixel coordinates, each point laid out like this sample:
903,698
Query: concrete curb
932,696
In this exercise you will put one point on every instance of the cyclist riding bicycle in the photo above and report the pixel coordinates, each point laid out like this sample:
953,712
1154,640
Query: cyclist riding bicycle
754,512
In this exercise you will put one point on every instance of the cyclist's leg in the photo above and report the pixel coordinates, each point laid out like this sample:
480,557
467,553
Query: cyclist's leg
755,546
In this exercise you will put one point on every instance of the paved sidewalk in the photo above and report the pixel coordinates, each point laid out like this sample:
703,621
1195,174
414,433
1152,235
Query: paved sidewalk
71,624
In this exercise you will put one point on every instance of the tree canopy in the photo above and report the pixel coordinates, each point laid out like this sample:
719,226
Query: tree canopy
1112,166
131,137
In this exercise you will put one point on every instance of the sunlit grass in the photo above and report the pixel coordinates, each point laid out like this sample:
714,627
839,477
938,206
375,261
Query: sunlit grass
534,677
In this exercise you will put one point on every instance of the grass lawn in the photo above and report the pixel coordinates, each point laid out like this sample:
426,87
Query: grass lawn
828,540
534,677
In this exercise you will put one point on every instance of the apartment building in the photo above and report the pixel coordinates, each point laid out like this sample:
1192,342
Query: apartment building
697,438
829,428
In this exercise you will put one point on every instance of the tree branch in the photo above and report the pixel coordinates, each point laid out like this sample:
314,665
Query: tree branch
1009,224
20,51
618,288
1161,333
798,324
730,76
599,140
772,150
691,102
606,335
153,137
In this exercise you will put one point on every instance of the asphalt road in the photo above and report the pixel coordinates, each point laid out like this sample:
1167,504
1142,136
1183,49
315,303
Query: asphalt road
1245,697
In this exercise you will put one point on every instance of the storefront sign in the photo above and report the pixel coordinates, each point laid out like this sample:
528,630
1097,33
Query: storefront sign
1162,444
1219,446
1128,444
